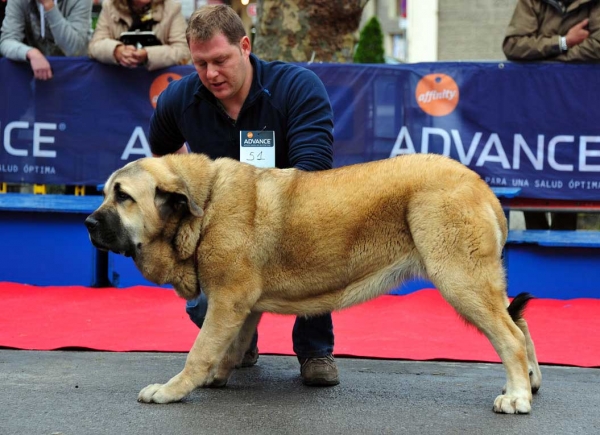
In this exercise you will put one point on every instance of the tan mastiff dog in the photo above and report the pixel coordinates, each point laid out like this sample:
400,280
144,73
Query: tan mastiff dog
305,243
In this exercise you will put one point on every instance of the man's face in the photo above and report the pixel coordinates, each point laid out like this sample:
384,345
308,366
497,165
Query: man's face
222,67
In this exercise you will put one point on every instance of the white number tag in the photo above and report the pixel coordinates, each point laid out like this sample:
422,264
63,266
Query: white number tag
258,148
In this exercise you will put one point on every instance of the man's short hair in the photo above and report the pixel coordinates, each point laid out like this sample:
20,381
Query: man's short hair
209,20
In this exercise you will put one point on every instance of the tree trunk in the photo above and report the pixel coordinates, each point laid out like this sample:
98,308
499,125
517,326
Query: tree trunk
305,30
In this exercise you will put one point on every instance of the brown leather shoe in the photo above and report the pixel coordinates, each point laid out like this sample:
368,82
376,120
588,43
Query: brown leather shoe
250,358
319,372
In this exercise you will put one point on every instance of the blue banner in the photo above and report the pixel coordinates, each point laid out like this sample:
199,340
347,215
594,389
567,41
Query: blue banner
532,126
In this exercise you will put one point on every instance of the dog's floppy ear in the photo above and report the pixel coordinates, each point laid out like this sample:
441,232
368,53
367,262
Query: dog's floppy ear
172,196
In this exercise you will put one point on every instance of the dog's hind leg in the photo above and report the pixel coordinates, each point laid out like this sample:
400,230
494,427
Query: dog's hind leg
481,303
235,352
535,375
459,238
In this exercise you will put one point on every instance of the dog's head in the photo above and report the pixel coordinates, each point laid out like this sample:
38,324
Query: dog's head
147,205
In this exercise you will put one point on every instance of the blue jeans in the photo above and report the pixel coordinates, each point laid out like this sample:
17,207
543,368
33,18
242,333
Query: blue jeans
312,336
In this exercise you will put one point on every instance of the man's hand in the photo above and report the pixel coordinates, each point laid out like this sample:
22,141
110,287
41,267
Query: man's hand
125,56
140,55
47,4
577,34
39,64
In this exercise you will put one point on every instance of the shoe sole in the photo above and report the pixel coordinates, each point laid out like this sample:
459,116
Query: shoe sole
320,382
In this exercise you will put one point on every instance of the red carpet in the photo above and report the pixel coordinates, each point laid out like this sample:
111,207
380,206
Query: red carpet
419,326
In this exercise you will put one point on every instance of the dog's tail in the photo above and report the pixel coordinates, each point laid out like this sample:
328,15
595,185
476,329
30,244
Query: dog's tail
518,305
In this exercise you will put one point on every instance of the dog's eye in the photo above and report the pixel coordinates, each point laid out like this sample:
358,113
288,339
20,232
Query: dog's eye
122,196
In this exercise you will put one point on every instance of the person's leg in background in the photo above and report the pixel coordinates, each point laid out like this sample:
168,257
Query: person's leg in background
564,221
196,309
536,220
313,344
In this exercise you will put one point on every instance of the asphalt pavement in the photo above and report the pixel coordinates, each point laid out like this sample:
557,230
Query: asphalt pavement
85,393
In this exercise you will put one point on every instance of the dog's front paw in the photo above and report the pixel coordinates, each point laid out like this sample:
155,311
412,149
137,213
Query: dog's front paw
506,404
160,393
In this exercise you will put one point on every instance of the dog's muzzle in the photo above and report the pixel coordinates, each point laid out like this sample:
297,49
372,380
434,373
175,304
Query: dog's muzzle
104,237
91,223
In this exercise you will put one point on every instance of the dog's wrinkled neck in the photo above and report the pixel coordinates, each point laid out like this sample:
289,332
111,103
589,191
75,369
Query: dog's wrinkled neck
188,236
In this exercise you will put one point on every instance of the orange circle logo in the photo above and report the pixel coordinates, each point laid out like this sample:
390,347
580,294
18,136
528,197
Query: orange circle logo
437,94
250,135
159,84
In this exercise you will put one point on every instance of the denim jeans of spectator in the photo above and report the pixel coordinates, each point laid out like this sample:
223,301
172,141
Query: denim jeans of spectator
312,336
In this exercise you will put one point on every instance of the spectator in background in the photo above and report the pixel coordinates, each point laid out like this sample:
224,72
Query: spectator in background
567,30
2,12
65,32
554,30
162,17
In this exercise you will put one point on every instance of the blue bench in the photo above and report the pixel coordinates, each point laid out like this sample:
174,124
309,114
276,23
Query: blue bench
553,264
45,242
123,273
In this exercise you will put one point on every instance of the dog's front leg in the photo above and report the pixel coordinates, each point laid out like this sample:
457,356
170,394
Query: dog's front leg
236,351
223,322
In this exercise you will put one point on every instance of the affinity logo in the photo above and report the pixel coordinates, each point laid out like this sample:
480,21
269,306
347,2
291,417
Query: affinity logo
159,84
437,94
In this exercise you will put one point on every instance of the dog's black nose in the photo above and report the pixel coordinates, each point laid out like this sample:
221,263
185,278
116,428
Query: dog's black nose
91,222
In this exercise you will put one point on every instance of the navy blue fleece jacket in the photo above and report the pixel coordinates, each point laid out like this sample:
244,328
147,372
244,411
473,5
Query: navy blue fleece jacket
285,98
